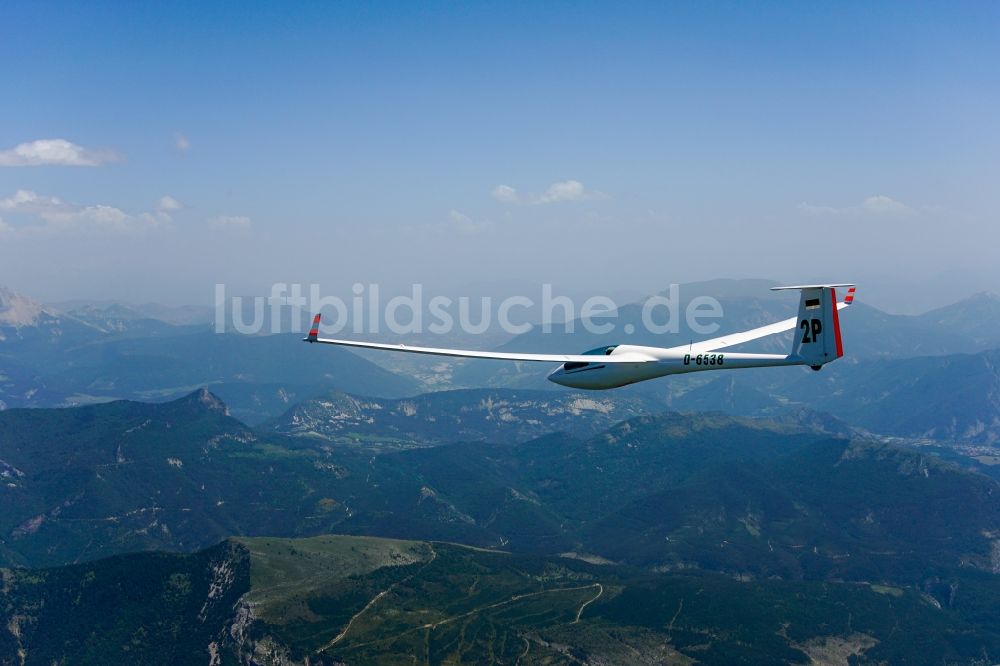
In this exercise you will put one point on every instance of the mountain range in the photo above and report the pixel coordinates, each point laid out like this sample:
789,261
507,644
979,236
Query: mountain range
51,358
494,415
99,352
749,497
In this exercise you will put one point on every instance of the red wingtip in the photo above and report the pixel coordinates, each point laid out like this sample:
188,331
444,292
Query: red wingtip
850,296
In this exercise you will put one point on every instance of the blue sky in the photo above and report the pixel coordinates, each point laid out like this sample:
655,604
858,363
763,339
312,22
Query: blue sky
644,144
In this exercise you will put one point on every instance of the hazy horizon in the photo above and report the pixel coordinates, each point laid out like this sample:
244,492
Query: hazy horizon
886,295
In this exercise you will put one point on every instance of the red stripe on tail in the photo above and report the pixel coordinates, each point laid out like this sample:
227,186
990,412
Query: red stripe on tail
836,320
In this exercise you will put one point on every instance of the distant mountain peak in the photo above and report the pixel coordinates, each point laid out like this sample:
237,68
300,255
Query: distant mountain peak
208,400
820,421
115,309
18,310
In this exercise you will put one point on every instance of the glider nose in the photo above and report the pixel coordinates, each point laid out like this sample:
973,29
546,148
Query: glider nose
558,376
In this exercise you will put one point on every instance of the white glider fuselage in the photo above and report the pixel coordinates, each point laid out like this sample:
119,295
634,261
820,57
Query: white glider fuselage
817,341
653,362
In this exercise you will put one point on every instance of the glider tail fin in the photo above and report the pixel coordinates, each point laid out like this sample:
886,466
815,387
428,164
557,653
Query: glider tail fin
314,331
817,336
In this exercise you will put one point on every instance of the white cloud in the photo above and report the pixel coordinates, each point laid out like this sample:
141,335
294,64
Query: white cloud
230,222
167,202
810,209
58,152
457,223
567,190
506,193
51,215
181,142
883,204
464,224
28,200
874,205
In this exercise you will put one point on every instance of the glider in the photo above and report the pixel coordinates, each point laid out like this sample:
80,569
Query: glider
816,343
